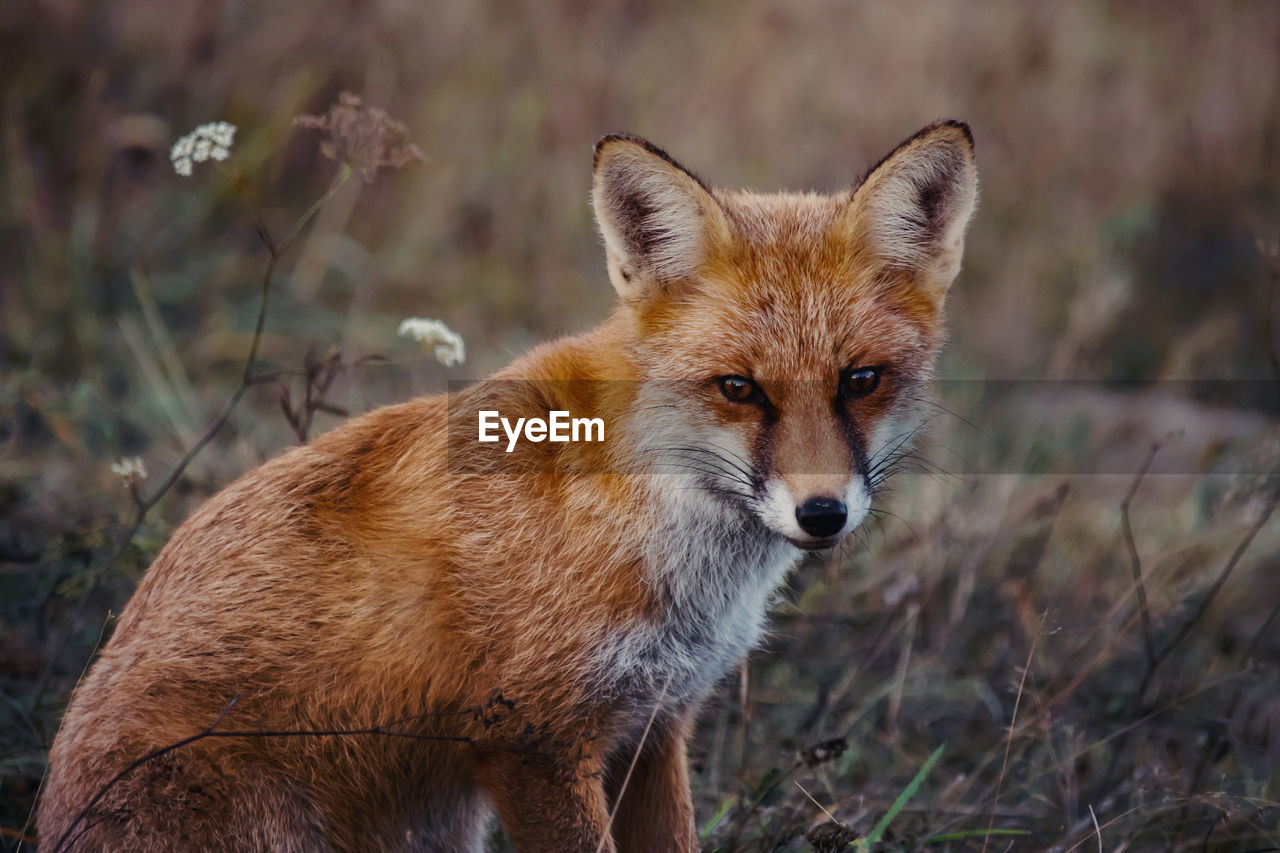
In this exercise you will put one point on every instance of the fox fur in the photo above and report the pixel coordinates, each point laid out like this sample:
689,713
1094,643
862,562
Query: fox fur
394,632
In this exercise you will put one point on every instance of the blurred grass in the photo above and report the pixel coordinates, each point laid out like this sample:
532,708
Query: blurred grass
1130,156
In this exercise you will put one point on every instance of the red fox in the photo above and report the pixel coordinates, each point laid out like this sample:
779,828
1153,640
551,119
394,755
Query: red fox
381,638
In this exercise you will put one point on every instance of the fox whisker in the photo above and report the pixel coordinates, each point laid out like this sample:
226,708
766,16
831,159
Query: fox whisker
738,465
693,465
713,463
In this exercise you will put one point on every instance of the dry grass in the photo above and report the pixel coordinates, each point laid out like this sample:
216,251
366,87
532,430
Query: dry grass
1129,155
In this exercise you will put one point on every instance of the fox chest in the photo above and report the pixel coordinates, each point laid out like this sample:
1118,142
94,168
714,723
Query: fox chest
713,603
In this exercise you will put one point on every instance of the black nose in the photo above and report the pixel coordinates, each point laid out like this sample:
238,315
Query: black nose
821,516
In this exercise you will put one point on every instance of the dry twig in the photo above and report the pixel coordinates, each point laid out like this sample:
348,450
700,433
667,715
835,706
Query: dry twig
145,505
1134,559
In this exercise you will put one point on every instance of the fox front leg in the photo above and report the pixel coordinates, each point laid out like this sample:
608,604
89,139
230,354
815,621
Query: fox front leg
654,813
549,805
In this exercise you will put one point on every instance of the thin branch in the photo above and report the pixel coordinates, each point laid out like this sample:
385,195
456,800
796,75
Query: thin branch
829,815
1264,628
1216,738
635,757
1209,596
1134,559
1138,707
1269,250
1013,722
145,505
66,841
758,800
17,835
60,645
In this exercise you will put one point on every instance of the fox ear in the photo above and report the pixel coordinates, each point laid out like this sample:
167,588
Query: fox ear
658,220
911,210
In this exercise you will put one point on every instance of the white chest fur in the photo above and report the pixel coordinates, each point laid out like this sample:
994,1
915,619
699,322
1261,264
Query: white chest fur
715,571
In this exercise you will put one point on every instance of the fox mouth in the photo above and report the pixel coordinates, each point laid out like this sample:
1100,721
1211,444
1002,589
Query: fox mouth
824,543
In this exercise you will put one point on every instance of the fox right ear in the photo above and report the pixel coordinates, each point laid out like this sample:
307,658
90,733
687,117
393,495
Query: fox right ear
912,210
658,220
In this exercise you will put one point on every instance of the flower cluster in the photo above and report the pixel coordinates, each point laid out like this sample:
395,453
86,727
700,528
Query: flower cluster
206,142
448,346
365,138
130,470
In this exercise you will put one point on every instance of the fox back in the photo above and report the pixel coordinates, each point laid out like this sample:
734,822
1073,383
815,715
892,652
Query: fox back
380,639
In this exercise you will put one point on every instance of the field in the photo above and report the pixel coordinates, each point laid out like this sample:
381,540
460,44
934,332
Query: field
1062,629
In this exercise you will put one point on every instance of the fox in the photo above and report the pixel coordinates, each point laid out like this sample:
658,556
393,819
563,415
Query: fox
386,637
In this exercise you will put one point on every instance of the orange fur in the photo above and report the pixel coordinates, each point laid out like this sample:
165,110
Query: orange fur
511,622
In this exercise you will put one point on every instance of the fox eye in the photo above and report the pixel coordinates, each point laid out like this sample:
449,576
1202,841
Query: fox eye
741,390
859,382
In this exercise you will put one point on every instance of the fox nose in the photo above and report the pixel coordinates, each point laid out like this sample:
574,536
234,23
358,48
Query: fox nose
821,516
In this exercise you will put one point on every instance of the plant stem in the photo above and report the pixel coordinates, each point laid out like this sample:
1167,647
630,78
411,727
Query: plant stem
275,250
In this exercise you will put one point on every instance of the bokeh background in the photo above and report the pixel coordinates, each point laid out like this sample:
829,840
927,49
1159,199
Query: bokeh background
1128,228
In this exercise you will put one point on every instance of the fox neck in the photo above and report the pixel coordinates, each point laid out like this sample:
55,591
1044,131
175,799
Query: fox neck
712,571
711,564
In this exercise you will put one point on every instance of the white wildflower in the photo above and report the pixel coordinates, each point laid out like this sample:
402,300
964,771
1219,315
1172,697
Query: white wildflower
130,470
207,142
448,346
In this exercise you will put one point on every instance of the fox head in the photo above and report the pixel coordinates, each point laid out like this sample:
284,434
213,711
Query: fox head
782,341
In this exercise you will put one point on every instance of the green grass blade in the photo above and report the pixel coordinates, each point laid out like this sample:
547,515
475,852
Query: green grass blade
907,793
961,834
716,818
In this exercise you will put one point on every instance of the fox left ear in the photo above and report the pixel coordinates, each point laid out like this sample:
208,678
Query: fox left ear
911,211
658,220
